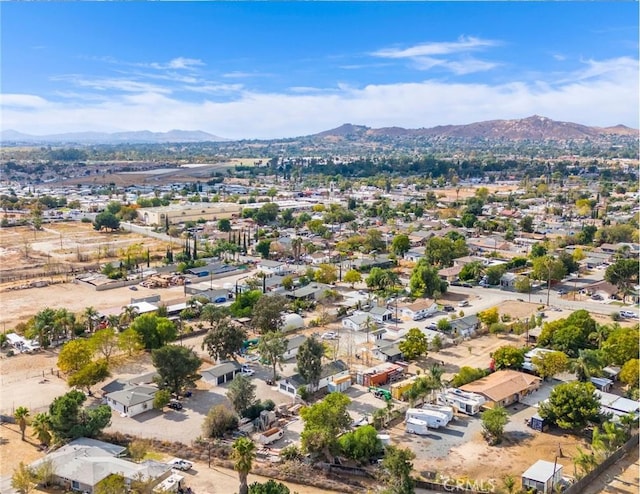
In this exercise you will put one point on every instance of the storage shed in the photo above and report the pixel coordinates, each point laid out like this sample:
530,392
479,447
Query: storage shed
542,476
221,373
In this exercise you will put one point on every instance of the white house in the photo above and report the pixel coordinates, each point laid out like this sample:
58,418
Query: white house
83,463
132,401
334,372
377,314
270,268
357,322
419,309
293,345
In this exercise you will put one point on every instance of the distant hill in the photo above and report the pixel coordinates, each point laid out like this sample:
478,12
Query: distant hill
138,137
535,128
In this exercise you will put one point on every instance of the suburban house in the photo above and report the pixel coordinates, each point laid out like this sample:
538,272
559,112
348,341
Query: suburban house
377,314
414,255
388,351
293,345
419,309
133,400
503,387
312,291
508,281
83,463
270,268
542,476
449,274
332,377
357,322
221,373
465,326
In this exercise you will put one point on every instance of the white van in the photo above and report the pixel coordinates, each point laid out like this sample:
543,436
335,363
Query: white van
628,313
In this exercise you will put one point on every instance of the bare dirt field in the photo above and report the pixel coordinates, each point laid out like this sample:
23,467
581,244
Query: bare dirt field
26,254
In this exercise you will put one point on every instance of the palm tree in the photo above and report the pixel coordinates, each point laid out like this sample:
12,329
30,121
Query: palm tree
21,414
244,452
296,246
128,314
89,315
65,321
585,461
114,322
585,365
44,326
40,426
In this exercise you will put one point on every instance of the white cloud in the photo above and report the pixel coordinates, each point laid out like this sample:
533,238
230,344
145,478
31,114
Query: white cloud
22,101
604,93
111,84
178,64
464,44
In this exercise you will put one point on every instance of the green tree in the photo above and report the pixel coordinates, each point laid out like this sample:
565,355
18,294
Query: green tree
381,279
549,269
466,375
90,375
41,428
571,405
361,444
400,244
621,345
224,225
161,399
263,247
20,415
241,393
74,355
244,303
425,281
244,452
112,484
585,461
630,373
309,359
526,224
23,479
324,421
624,275
130,341
225,340
269,487
550,363
444,325
326,273
105,342
106,221
494,421
213,314
68,420
494,273
523,285
219,421
509,357
352,277
272,347
177,367
441,251
155,331
538,250
397,467
588,363
414,345
472,271
268,313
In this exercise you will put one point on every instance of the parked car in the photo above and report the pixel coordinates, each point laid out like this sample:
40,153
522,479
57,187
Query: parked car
432,326
562,291
175,405
247,371
220,300
596,297
180,464
464,303
628,313
449,308
329,335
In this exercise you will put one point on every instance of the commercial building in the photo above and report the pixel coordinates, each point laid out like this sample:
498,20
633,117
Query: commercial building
180,213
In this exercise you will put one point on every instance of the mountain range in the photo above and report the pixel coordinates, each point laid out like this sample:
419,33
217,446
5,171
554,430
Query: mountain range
534,128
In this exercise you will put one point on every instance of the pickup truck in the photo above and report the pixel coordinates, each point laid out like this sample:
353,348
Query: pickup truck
270,436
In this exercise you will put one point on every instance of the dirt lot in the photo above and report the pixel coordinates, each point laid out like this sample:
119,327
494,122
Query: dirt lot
26,254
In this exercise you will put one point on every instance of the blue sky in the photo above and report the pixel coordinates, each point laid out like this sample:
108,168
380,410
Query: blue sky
269,70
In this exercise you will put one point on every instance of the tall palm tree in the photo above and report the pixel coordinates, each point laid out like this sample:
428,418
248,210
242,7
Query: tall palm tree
21,414
65,321
44,326
90,315
244,452
114,322
41,428
587,364
296,246
128,314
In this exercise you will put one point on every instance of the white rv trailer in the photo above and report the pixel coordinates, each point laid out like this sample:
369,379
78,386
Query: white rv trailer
447,410
416,426
463,401
434,420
